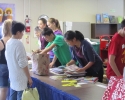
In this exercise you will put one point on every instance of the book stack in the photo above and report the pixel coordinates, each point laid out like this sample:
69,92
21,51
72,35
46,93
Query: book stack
57,71
71,71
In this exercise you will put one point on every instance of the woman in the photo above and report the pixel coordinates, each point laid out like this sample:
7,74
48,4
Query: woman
83,52
55,26
42,23
4,74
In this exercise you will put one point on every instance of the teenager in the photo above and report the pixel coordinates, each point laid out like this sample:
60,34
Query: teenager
116,53
83,53
17,62
57,45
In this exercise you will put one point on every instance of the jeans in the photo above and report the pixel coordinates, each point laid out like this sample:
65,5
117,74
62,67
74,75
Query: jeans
15,95
4,75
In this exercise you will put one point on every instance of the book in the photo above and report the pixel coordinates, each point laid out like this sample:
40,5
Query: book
57,71
120,18
98,18
105,18
112,19
88,79
71,67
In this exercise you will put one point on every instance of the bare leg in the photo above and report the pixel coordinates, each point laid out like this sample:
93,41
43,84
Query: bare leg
3,93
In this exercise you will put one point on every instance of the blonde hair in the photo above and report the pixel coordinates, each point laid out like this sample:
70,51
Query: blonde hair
6,27
53,20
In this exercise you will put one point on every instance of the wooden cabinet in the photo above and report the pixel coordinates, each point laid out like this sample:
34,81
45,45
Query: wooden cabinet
100,29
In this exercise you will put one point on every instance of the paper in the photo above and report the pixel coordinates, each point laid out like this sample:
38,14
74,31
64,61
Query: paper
77,85
102,86
68,26
57,77
81,83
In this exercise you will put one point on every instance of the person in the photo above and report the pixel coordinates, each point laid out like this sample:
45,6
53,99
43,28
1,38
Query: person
17,62
53,24
4,73
116,53
58,45
42,23
40,40
83,53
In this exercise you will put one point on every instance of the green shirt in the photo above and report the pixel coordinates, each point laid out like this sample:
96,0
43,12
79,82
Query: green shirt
61,50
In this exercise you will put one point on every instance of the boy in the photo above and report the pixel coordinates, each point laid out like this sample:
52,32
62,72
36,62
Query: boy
17,62
58,46
116,53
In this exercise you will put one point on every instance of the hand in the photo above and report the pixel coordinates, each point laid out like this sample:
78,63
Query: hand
67,65
80,70
28,58
51,64
34,52
30,82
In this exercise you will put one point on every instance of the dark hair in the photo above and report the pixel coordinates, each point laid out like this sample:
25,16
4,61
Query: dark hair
70,35
53,20
123,24
17,26
47,31
37,29
44,21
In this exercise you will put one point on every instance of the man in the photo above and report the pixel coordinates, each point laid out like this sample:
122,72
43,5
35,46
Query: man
116,53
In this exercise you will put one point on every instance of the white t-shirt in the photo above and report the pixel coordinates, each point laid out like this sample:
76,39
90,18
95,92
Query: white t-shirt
39,43
16,60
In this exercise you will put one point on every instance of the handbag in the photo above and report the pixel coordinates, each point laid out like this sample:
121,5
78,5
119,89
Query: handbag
30,94
115,89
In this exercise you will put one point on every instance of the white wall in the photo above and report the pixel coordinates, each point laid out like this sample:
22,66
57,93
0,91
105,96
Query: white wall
63,10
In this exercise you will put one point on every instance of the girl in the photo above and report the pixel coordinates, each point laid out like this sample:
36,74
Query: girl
4,74
55,26
42,23
83,52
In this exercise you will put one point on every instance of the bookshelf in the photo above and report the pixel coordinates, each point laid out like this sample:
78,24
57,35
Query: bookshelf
99,29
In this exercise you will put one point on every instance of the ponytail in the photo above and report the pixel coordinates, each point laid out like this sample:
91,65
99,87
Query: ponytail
70,35
53,20
57,24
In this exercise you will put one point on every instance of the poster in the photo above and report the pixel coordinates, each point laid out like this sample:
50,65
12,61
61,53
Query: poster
7,11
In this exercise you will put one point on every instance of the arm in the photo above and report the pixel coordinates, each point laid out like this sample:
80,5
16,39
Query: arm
48,49
113,65
85,67
1,46
53,62
22,61
26,71
70,63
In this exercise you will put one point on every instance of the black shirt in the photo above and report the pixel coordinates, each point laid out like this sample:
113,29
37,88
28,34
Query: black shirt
2,54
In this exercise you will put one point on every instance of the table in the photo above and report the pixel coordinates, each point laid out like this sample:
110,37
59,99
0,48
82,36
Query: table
86,92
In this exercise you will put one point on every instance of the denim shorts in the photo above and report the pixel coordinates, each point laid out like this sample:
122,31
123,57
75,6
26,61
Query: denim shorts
4,75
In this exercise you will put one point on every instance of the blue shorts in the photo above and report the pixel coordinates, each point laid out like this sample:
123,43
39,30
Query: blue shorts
4,75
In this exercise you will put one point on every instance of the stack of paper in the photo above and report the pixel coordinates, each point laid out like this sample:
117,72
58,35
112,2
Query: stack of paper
57,71
71,71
